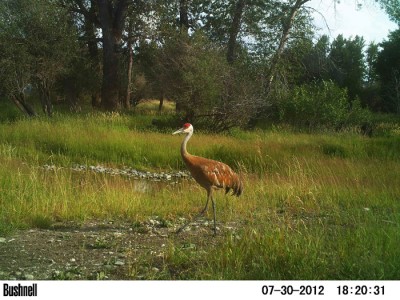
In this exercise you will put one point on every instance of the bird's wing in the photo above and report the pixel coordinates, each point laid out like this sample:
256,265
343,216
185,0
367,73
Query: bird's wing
222,176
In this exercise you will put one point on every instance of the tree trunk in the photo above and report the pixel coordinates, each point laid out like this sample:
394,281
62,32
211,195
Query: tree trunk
112,18
110,83
88,9
44,93
287,26
71,94
90,20
183,16
26,108
160,106
127,100
96,100
234,31
396,99
270,73
184,39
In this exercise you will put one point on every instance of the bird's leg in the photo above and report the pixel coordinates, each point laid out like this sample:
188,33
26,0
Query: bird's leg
215,213
205,207
199,215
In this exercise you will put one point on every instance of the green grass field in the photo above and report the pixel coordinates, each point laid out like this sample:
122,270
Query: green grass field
315,206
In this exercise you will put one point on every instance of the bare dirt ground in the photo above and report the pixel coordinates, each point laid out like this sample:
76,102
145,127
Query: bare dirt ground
101,250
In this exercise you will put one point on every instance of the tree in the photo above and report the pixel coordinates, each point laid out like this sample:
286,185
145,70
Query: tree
290,11
316,62
137,31
348,64
38,45
84,15
371,58
183,16
16,75
234,30
388,70
112,20
256,33
371,92
392,8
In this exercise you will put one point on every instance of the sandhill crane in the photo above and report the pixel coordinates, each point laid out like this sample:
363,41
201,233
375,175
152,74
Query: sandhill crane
210,174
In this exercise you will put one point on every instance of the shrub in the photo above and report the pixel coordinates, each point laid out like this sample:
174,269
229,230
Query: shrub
321,104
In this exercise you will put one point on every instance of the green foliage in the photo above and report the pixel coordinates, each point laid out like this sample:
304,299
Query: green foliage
348,64
392,8
269,253
202,78
371,58
104,137
37,45
9,112
334,150
41,221
47,47
388,69
321,104
207,90
123,140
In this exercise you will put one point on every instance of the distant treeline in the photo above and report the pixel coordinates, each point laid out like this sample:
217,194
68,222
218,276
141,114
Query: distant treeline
224,63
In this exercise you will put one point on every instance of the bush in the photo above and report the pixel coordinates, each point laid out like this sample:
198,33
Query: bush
8,111
322,105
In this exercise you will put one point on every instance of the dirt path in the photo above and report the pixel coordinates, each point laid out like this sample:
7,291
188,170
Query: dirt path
100,250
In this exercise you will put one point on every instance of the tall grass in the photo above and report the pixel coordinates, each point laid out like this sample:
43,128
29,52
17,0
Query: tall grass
322,206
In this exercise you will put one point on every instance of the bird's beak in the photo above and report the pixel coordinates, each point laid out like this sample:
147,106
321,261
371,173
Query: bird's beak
178,131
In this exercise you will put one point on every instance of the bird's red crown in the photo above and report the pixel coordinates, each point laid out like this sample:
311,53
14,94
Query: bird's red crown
186,125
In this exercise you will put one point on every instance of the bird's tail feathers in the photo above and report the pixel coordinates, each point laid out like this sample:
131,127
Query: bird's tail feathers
236,186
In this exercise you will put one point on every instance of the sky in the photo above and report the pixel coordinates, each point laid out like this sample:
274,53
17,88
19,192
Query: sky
344,17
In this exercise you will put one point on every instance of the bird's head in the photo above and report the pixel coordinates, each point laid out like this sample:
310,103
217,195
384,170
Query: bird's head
187,128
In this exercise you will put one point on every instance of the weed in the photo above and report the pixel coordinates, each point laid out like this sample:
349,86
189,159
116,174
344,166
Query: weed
41,221
334,150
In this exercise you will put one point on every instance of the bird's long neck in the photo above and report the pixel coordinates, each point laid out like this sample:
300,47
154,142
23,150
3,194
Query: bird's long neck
184,152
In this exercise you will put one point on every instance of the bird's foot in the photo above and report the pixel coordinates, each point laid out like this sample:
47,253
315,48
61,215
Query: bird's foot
180,229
